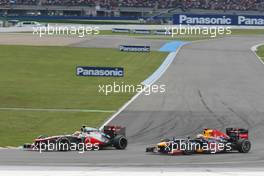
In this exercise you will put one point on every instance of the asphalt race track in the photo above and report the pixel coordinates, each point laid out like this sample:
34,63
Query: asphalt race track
216,84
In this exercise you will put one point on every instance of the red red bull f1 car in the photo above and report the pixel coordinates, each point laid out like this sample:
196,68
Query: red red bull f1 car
210,141
86,139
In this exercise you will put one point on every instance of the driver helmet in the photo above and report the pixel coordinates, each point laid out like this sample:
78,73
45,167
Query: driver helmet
83,128
207,133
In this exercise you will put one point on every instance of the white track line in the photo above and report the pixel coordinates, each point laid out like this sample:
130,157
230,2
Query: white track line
120,110
10,147
57,110
137,95
254,49
159,72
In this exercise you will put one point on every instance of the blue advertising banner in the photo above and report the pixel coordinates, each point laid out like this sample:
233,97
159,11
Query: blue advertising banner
237,20
100,71
129,48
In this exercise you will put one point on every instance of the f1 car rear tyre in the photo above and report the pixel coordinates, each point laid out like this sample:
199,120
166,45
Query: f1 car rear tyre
120,142
243,145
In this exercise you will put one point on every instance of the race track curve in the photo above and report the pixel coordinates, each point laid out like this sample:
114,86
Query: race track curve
215,84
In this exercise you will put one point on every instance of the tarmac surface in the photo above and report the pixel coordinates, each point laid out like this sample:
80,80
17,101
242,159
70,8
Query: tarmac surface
214,84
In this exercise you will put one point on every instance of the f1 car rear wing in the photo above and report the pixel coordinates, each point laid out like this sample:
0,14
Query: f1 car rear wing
237,133
112,130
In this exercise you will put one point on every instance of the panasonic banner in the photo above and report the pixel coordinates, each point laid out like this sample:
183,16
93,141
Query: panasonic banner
130,48
235,20
100,71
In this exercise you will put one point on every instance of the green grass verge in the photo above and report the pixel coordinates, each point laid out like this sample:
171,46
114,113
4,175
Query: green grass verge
44,77
260,52
187,37
17,128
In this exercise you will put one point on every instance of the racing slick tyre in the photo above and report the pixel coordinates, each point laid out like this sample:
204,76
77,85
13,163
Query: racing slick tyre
188,151
150,149
63,144
120,142
243,145
43,146
27,146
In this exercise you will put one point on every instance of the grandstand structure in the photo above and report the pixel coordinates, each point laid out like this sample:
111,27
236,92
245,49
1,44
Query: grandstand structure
127,8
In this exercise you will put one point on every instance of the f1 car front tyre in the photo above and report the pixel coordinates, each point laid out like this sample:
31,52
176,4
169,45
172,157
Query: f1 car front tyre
188,152
120,142
150,149
243,145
